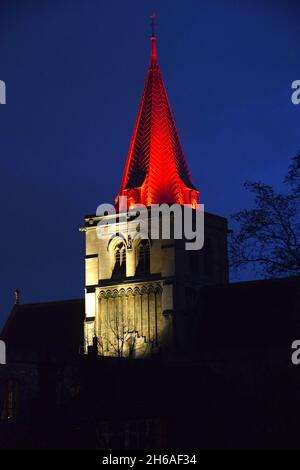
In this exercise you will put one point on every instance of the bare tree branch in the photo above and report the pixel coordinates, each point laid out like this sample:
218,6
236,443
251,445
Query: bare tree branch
268,235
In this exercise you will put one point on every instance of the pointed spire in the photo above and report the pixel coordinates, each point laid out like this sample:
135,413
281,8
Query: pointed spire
156,170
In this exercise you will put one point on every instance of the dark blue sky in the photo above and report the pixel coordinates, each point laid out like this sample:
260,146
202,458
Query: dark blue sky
75,71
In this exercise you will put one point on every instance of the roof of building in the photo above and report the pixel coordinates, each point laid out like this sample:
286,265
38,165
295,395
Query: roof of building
245,315
256,314
42,331
156,170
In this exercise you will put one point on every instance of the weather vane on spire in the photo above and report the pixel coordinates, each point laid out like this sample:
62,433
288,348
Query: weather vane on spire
153,24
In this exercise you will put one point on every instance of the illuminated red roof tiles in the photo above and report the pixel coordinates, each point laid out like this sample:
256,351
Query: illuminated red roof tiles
156,170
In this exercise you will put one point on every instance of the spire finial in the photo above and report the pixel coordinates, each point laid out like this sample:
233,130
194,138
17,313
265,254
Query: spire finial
153,39
153,24
17,296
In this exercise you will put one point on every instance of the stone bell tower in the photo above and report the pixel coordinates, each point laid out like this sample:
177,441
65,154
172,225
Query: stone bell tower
139,289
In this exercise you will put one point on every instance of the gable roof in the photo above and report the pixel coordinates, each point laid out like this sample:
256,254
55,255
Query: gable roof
44,330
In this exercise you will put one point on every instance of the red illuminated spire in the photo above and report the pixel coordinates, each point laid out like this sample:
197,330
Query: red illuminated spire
156,170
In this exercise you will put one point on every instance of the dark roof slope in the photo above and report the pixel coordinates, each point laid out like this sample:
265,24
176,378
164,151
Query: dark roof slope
256,314
44,330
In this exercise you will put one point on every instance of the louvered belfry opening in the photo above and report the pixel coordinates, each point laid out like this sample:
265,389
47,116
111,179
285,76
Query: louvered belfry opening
143,254
119,270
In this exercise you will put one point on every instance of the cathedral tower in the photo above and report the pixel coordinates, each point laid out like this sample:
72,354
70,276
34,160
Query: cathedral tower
140,291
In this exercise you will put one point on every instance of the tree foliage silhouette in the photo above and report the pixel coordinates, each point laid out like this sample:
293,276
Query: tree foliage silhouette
268,235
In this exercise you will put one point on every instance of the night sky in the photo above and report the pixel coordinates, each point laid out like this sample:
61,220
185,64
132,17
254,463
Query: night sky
75,71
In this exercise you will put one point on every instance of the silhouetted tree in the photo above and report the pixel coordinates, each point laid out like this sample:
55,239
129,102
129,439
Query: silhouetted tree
268,236
119,339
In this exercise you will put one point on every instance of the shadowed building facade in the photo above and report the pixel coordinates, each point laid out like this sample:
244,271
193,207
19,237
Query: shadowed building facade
219,353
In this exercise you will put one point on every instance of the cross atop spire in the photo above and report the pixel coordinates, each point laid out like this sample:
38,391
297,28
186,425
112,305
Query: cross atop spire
153,24
156,170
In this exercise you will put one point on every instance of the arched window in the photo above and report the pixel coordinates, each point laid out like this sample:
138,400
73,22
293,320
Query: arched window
120,261
9,403
143,257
